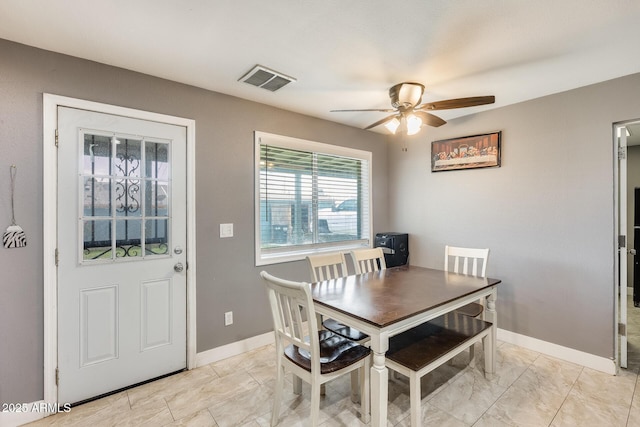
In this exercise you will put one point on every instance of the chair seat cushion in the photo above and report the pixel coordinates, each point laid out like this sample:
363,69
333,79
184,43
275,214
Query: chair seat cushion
344,330
336,352
472,309
419,346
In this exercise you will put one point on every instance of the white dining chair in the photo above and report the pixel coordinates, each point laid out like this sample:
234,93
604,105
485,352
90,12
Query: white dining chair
470,261
368,260
317,358
327,267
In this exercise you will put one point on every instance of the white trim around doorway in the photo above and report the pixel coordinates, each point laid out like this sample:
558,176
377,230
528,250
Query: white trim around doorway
49,175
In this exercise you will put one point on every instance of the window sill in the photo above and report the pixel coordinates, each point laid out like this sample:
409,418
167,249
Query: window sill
301,254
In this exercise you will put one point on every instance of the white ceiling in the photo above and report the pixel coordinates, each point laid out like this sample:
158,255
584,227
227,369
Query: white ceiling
346,54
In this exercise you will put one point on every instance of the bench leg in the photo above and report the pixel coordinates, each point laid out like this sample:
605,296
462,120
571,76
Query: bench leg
297,384
355,394
472,356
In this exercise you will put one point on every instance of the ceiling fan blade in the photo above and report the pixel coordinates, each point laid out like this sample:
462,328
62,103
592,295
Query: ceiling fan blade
387,110
457,103
429,119
379,122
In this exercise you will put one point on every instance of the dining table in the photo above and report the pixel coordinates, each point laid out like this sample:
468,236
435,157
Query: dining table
387,302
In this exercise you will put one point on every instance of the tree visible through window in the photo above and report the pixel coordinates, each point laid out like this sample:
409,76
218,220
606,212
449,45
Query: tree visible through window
310,197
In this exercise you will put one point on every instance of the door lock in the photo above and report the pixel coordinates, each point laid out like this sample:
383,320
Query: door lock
178,267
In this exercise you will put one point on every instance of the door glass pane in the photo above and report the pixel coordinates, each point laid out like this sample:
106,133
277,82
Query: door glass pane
128,155
156,242
156,160
96,155
97,196
157,198
97,240
128,238
127,195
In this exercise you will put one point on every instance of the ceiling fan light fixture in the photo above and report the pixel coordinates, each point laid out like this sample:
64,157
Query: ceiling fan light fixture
414,123
406,95
409,113
392,125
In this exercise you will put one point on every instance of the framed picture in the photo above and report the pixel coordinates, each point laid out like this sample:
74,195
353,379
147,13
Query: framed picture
467,152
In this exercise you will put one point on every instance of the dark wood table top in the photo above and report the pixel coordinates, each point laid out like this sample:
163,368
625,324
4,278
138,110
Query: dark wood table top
388,296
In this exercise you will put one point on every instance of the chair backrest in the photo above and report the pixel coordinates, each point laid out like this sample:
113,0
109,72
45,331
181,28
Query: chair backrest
326,267
288,301
466,260
368,260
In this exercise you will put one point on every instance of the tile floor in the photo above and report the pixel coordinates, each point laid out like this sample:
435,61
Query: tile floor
529,389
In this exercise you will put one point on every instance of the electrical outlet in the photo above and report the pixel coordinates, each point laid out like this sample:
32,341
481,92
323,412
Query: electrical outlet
228,318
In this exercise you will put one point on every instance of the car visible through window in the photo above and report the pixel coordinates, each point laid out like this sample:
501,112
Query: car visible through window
340,219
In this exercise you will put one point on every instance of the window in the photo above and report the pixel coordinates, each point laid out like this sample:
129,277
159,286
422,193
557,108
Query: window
125,186
310,197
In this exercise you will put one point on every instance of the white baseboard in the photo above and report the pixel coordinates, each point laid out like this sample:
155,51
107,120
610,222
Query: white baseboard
233,349
554,350
598,363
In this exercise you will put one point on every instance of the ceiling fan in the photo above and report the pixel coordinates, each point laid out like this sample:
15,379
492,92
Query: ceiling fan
408,110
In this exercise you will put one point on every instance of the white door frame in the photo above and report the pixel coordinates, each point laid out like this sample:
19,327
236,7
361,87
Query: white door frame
49,207
620,260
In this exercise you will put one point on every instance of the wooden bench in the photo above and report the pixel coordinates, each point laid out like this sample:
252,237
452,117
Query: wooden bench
419,350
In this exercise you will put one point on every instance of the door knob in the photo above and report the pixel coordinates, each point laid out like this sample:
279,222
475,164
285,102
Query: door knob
178,267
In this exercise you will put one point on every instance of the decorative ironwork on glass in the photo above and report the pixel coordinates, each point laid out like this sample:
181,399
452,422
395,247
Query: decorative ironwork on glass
127,197
127,163
128,155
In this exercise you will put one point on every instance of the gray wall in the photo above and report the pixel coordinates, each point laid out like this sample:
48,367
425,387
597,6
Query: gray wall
547,214
226,276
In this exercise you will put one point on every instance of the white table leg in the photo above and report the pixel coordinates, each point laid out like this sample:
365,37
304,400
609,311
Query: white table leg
379,381
491,342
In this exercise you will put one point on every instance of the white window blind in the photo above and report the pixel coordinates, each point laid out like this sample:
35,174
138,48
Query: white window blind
310,197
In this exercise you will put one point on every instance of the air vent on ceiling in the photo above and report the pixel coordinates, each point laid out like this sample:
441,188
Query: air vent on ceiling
265,78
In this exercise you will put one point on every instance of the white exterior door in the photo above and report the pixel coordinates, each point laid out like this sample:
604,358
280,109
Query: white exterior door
121,252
